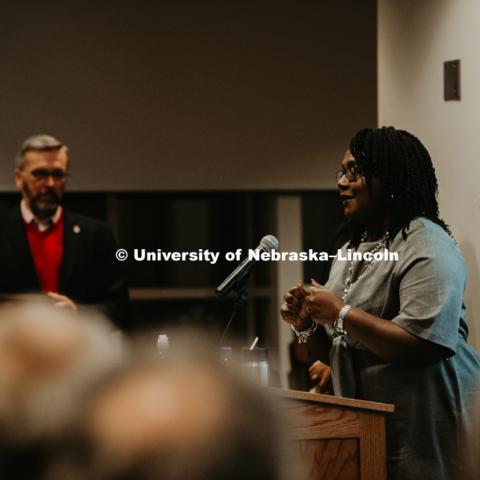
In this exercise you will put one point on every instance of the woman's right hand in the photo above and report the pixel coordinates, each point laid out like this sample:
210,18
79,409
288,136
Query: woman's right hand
293,310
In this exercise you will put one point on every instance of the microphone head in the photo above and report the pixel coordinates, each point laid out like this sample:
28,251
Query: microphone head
268,242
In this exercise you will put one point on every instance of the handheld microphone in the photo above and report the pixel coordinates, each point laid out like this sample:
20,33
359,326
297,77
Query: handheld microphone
267,243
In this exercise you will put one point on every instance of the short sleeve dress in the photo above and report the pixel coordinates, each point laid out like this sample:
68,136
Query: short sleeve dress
422,292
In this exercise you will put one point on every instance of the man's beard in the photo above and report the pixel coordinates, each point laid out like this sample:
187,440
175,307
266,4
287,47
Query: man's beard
44,204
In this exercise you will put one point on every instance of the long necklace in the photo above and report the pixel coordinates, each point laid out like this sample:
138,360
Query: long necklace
381,245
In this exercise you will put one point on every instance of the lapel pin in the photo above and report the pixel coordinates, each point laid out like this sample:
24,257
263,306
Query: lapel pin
76,229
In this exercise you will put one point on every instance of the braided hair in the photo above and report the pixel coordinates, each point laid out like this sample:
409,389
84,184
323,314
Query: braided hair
406,174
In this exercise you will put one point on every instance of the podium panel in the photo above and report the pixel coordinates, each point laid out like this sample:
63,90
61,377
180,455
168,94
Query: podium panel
337,438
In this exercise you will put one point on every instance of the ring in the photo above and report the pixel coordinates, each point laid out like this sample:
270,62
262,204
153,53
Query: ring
285,308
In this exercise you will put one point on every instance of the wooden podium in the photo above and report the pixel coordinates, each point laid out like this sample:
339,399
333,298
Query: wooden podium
338,438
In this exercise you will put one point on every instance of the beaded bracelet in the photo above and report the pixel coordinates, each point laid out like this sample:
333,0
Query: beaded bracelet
304,335
338,324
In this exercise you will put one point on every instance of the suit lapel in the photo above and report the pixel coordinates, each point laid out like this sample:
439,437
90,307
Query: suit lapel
21,248
68,251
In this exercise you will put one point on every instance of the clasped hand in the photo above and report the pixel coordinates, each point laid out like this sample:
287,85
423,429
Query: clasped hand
313,304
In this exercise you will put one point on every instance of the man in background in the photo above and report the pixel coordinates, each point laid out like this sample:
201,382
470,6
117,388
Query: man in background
45,248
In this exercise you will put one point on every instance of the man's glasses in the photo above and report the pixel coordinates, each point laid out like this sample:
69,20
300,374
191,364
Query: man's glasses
351,173
42,175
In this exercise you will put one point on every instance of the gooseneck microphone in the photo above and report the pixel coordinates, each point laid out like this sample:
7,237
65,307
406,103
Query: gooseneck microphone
236,278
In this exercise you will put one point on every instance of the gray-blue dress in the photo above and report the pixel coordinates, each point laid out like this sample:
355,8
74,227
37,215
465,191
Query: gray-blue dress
422,292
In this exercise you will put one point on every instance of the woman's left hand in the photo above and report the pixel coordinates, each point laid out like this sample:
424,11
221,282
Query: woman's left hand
322,304
321,375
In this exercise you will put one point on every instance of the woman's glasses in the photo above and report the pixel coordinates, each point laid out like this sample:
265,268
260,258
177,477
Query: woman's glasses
351,173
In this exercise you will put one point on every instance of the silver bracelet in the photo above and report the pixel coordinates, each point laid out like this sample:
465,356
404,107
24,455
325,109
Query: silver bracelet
304,335
338,323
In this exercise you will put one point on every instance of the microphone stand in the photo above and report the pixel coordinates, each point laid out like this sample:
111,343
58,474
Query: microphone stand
242,295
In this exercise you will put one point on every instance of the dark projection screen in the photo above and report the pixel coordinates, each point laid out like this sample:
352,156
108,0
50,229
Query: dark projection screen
205,95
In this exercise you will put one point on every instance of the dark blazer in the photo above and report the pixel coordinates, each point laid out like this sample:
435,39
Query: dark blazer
89,272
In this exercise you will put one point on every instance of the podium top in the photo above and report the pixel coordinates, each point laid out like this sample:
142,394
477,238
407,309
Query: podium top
334,401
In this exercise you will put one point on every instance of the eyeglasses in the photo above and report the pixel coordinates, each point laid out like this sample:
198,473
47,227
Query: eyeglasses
351,173
42,175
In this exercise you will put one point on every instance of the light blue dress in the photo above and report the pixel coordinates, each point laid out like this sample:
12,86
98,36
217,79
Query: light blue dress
422,292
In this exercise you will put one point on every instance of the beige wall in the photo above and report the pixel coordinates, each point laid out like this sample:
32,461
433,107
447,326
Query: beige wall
189,95
414,39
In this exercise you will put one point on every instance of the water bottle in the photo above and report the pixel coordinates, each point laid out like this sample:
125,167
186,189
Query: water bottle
163,345
255,364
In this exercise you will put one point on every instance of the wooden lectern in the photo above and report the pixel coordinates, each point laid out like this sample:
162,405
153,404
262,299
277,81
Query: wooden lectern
338,438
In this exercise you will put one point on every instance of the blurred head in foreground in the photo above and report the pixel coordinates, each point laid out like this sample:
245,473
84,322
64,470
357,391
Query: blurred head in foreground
48,359
183,418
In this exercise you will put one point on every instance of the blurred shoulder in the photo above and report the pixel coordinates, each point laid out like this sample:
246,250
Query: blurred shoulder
83,222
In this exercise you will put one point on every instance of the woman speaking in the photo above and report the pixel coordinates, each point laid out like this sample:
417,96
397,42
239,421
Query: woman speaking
397,327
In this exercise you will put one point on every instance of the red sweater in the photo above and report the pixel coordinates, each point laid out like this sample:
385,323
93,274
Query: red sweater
46,248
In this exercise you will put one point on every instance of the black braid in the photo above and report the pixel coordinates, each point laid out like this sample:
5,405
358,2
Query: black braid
407,177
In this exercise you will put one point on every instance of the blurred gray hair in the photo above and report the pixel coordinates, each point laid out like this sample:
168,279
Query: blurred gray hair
42,142
48,357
